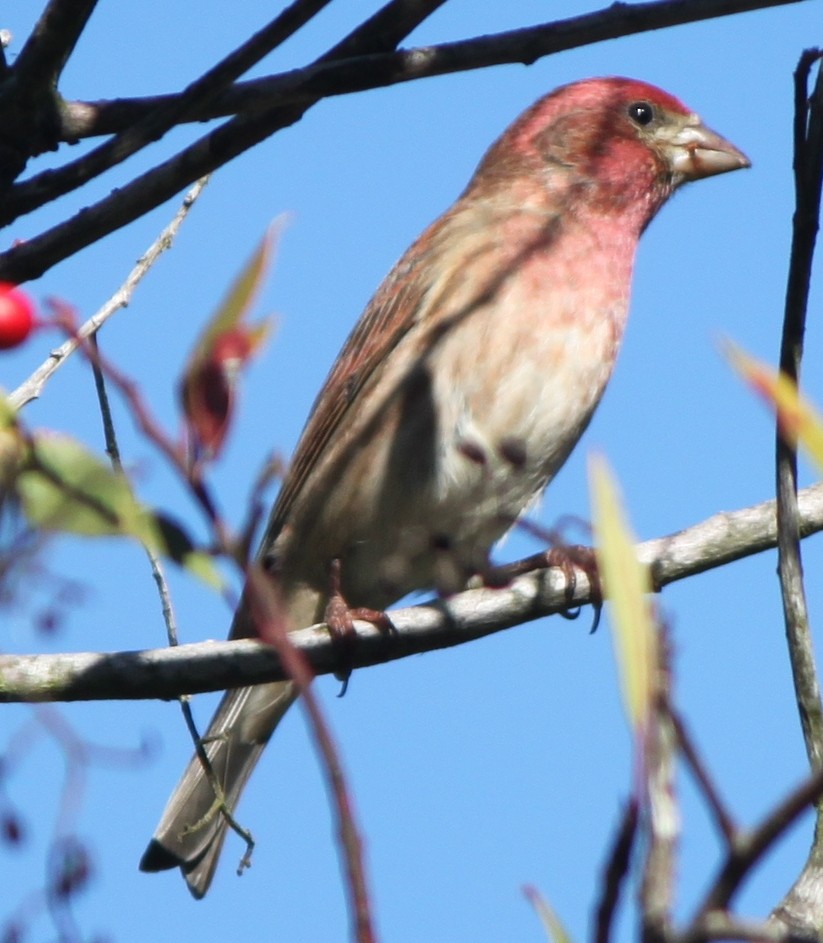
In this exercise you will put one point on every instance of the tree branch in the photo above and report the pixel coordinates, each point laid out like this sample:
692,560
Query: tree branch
208,666
302,88
808,171
174,110
47,50
526,46
801,909
32,387
382,31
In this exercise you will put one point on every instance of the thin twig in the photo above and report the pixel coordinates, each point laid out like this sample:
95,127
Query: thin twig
113,450
268,610
617,867
33,387
722,818
750,848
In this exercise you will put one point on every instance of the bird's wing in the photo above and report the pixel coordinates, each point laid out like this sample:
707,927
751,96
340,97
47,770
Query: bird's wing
390,314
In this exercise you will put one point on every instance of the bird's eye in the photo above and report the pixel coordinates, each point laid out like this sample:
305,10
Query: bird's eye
641,113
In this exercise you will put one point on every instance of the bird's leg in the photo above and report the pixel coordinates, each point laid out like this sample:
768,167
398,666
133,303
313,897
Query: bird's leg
339,617
569,558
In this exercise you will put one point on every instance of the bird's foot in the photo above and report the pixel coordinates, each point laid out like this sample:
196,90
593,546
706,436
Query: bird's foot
339,617
569,558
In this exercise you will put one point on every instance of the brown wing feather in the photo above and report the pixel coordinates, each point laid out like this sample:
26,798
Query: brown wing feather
387,318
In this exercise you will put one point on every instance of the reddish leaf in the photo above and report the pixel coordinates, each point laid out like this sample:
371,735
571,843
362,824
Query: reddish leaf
222,351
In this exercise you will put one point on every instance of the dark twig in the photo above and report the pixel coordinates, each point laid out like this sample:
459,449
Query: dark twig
153,124
89,119
808,171
749,848
725,823
617,867
390,25
46,51
306,86
271,625
801,909
379,33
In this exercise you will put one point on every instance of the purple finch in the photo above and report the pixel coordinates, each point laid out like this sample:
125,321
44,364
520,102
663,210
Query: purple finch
466,383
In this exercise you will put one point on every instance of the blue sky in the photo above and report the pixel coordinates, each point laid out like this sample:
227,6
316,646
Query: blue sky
501,763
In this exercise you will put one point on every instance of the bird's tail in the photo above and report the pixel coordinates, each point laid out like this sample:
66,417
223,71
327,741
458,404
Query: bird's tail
191,831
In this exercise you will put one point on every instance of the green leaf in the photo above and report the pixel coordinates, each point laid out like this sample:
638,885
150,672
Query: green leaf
8,414
627,585
238,300
64,487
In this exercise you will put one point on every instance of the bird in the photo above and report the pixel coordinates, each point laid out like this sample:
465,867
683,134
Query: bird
459,394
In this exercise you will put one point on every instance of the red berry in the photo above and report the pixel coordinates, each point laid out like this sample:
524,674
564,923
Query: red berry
16,316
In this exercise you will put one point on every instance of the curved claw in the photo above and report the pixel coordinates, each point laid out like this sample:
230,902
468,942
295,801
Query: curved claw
571,614
340,616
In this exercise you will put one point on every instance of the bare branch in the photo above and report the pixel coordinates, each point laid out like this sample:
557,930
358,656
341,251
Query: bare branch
527,45
209,666
46,51
749,848
723,926
306,86
802,907
153,124
808,169
31,388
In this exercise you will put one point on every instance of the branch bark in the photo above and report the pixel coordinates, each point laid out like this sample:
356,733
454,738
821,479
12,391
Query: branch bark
355,74
209,666
372,66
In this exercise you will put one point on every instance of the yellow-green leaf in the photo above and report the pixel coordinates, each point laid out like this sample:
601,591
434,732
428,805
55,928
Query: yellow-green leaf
798,420
8,414
555,930
65,487
627,584
238,300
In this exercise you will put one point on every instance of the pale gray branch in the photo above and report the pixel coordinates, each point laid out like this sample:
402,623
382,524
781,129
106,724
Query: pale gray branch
32,387
208,666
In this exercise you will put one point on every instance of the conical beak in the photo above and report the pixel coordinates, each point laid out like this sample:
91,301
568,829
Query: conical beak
696,151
